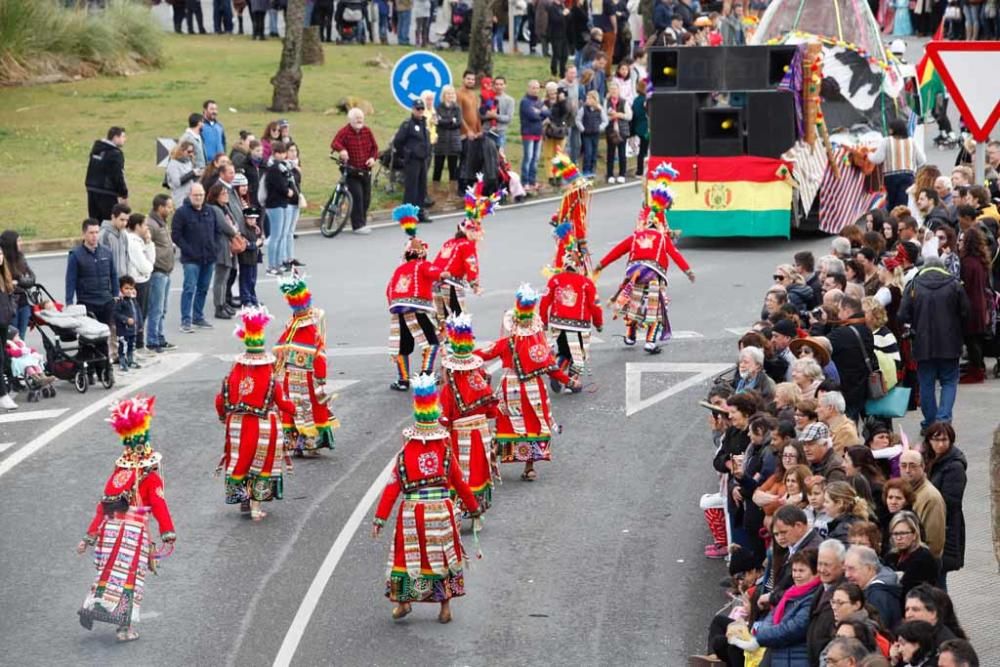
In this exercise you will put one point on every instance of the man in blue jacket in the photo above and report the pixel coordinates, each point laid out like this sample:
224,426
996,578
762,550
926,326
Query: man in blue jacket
194,230
213,135
91,279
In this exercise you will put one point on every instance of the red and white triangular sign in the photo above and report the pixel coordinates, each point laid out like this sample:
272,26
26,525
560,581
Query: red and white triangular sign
961,66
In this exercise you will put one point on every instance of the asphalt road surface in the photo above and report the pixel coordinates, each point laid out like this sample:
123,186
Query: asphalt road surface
598,562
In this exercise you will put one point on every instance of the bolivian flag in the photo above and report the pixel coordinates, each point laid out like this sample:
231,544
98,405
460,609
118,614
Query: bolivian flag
928,78
742,195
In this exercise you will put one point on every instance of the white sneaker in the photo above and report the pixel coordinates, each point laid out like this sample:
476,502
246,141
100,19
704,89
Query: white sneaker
621,179
7,403
362,230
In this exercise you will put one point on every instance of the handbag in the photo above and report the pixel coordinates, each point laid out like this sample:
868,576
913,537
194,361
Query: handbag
876,383
302,201
237,244
893,404
614,136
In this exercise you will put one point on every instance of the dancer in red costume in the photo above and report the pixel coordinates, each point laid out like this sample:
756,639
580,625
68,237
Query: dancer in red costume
641,298
120,531
467,405
524,417
301,371
574,213
411,304
254,457
459,256
425,561
569,308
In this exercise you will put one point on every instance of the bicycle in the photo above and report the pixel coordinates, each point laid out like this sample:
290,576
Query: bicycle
337,210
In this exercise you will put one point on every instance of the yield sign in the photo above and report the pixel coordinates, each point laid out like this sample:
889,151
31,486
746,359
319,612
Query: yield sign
962,66
699,373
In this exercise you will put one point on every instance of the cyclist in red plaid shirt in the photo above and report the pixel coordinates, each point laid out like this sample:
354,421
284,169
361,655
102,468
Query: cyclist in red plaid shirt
355,144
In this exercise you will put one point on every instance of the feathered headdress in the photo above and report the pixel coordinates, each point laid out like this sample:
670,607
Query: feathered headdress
525,302
131,419
250,328
296,292
477,207
571,249
563,167
461,343
426,410
660,198
407,216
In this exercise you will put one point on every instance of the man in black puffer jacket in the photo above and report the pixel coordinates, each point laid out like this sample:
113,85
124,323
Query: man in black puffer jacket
91,279
853,344
105,181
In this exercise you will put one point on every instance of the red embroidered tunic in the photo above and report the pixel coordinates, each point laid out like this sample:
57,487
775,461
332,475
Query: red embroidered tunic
122,483
460,258
411,286
570,302
648,246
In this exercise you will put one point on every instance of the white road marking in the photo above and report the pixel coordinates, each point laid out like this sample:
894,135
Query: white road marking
325,572
30,415
738,331
4,446
634,402
172,364
681,335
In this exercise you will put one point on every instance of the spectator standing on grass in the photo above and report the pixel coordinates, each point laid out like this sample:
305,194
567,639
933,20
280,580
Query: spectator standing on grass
91,279
192,135
179,7
619,114
181,172
591,120
532,113
404,10
222,17
213,134
105,180
555,128
270,136
355,144
258,10
194,233
22,278
295,204
240,154
141,256
254,172
472,122
159,280
411,141
575,96
192,12
238,7
558,25
503,114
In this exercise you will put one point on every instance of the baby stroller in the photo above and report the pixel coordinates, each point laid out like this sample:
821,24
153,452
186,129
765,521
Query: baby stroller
350,17
390,162
76,345
459,32
35,385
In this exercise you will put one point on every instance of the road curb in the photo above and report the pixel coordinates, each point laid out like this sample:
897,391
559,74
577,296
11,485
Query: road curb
43,248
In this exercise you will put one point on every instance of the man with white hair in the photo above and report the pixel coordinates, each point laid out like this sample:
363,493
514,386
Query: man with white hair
355,145
880,584
829,264
928,503
843,432
846,652
841,248
751,375
822,626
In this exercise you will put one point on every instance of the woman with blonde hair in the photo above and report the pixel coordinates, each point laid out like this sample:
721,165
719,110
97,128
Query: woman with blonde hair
807,376
786,395
886,344
617,131
845,508
181,174
800,295
448,140
908,553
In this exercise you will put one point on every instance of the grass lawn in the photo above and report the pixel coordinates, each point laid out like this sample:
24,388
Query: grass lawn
46,131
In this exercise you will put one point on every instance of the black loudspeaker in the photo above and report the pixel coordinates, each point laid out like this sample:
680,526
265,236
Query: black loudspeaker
746,68
720,131
663,68
672,130
770,122
779,60
701,68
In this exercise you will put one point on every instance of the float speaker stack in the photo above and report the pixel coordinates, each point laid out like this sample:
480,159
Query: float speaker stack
663,68
770,122
720,131
779,60
720,68
701,69
672,130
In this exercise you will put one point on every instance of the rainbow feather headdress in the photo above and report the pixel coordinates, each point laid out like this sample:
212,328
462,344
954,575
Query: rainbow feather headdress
571,249
526,300
296,292
131,420
426,410
563,167
461,344
407,215
660,197
477,207
250,328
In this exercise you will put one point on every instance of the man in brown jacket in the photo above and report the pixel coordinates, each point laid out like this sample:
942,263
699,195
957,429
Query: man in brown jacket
928,504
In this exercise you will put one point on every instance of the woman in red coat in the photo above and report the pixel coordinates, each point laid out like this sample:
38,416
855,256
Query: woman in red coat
524,417
982,312
254,458
119,531
467,405
425,561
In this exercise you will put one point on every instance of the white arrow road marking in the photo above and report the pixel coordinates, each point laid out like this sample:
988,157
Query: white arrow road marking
30,415
172,364
429,67
4,446
405,80
634,402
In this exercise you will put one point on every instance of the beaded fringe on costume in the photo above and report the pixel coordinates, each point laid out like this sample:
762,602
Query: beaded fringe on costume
419,339
255,485
643,302
121,557
444,579
442,300
304,433
519,445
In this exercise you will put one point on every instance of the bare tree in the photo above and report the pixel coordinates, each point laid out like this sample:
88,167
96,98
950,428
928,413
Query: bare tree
480,41
289,77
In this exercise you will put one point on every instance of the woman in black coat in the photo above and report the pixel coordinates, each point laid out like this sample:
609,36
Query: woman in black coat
21,274
909,554
948,465
449,138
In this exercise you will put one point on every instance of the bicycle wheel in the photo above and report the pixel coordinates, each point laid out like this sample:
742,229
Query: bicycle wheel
336,213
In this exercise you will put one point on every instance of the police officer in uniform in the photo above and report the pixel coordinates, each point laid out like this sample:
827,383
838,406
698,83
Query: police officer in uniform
413,143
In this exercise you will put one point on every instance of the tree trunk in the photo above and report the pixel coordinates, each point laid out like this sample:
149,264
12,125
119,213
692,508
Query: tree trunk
995,493
289,77
480,41
312,47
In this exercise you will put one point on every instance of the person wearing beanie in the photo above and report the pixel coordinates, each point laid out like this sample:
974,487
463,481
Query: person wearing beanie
121,523
301,371
253,460
524,424
411,302
459,256
425,559
641,299
569,308
574,211
467,405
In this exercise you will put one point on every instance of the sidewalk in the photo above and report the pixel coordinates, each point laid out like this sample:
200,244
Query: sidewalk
976,588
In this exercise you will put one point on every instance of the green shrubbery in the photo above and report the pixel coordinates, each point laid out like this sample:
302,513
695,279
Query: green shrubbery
41,40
